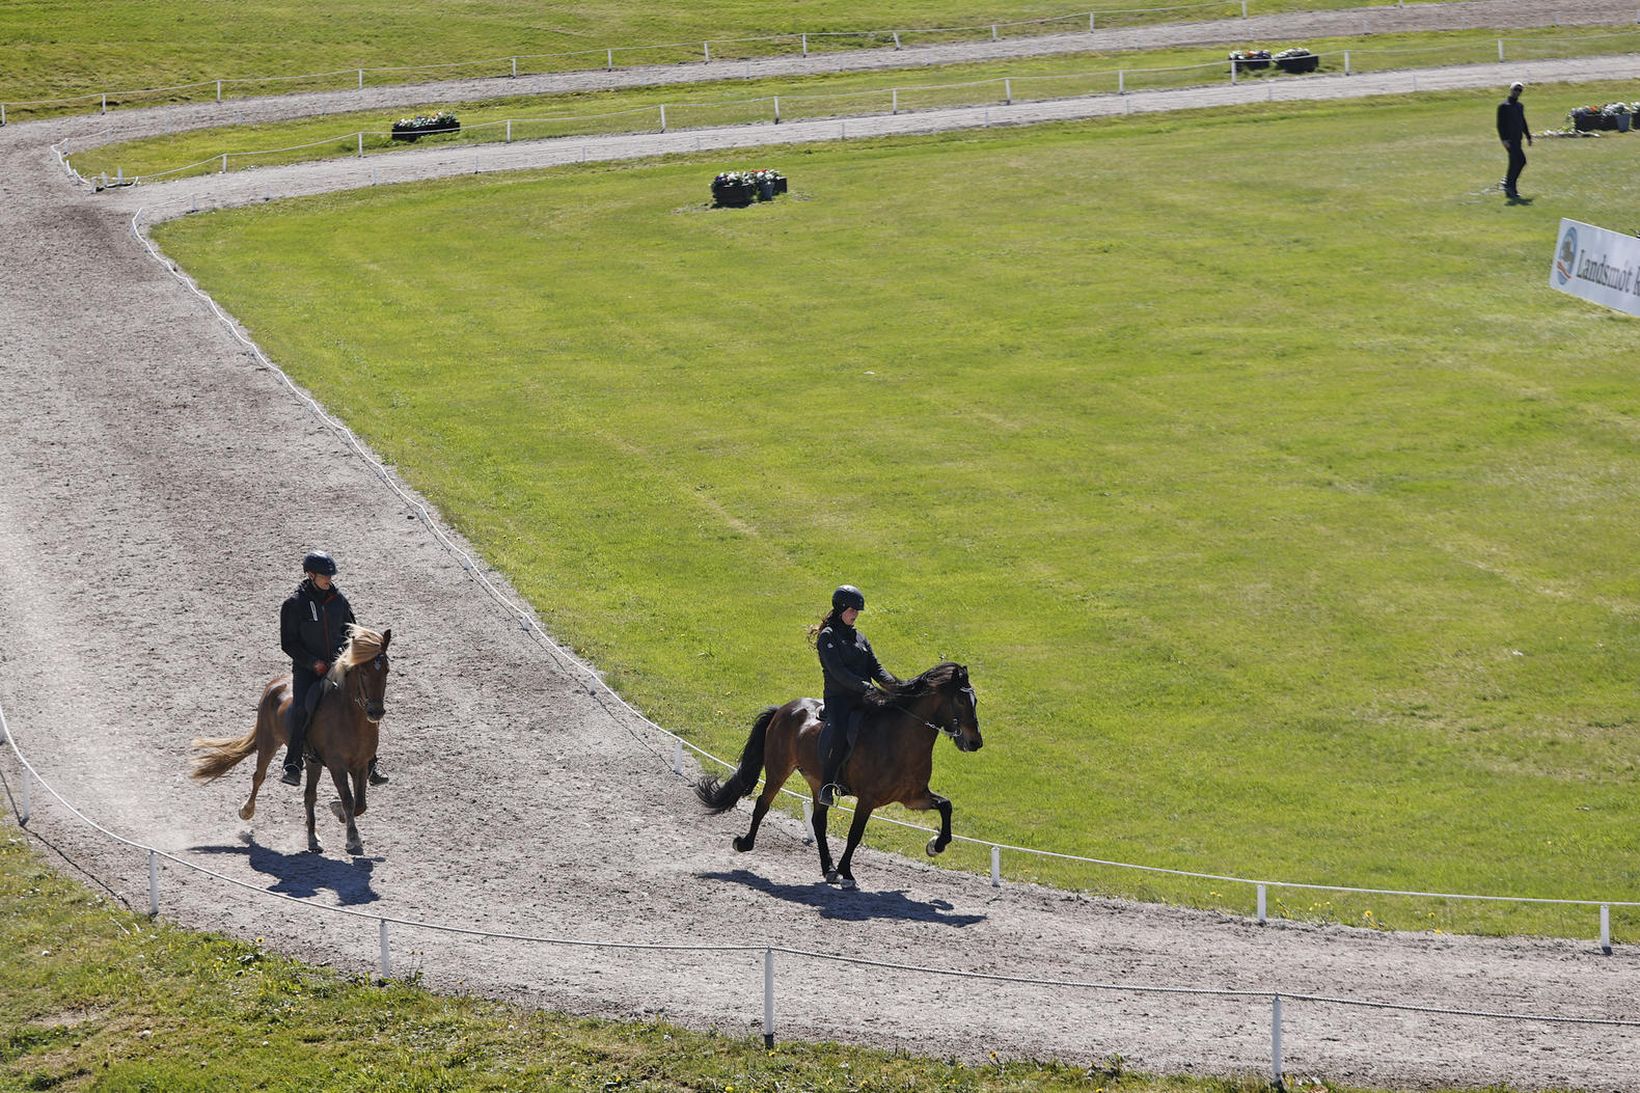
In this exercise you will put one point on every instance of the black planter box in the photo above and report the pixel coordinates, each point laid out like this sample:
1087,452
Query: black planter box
1298,64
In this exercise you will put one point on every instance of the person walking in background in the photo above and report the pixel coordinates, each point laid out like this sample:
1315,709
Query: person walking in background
1511,131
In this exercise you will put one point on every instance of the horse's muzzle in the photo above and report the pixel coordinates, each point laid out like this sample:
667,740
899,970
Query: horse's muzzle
375,711
969,745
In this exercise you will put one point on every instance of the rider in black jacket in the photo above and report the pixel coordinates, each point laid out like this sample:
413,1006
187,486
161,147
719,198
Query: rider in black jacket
851,672
313,624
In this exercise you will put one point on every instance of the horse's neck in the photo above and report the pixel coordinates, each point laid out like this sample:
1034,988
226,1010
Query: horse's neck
916,712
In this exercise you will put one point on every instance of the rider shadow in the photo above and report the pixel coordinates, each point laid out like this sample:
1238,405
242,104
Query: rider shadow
855,906
304,875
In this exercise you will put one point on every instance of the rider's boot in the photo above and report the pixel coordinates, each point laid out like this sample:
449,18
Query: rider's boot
830,787
377,778
293,753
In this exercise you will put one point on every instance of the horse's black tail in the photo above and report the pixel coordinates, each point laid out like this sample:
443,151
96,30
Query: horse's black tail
721,796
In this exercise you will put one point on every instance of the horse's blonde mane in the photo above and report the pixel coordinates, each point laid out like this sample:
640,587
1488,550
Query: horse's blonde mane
363,644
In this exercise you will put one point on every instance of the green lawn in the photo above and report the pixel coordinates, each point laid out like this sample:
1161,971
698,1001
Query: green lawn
1282,513
744,102
57,48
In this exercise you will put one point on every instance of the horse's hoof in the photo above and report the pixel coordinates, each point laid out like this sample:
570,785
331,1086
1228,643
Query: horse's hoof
338,811
356,847
934,848
847,884
831,876
247,812
742,844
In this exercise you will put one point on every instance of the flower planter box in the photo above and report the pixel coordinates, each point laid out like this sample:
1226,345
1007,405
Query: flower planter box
413,129
1250,61
733,194
736,189
1298,64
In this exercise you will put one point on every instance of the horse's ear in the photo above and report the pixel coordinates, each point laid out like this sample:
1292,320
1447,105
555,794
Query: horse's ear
387,636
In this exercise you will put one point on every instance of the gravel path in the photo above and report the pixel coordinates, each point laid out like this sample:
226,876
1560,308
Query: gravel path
161,483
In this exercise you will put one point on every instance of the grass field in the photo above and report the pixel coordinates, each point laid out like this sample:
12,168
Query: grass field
744,102
1281,512
101,999
57,48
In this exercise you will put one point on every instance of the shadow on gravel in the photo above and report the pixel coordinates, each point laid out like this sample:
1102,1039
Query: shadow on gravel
303,875
856,906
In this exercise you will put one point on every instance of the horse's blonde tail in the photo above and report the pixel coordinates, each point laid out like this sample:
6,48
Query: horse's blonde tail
218,755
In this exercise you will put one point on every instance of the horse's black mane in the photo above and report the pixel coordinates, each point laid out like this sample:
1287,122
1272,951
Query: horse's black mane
932,680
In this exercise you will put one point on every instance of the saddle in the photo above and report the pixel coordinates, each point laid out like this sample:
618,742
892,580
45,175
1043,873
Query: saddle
315,694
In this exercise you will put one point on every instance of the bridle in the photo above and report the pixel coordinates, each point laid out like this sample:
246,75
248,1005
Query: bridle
952,730
357,692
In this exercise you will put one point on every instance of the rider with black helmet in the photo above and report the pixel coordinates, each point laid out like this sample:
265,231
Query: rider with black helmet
851,673
313,624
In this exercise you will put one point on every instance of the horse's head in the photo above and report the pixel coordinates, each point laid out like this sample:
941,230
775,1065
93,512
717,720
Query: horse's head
958,715
367,668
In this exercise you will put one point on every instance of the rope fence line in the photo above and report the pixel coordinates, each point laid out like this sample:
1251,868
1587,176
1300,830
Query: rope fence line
508,66
769,951
767,108
593,685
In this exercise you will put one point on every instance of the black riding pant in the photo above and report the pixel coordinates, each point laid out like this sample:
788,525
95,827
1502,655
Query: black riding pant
302,682
842,730
1517,164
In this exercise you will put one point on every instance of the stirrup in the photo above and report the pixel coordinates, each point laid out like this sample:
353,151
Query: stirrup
292,776
830,792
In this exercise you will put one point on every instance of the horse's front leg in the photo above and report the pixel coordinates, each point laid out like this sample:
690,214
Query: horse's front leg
343,810
939,842
856,832
359,782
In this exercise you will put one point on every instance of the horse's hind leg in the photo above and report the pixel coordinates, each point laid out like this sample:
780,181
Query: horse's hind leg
343,810
774,776
266,748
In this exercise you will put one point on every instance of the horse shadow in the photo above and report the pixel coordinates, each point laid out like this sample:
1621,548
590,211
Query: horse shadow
305,874
856,906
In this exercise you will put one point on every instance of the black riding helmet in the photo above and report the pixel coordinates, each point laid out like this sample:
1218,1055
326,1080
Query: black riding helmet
848,596
318,561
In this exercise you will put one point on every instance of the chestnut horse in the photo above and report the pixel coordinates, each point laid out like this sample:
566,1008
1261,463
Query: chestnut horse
891,761
342,733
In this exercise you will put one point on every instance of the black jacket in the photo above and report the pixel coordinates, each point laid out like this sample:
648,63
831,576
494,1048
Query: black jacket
1512,121
848,663
313,625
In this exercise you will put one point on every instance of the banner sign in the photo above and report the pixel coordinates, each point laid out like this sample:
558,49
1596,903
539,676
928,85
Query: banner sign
1601,266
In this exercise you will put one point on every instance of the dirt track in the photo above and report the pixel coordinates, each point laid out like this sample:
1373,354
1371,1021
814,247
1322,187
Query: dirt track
161,484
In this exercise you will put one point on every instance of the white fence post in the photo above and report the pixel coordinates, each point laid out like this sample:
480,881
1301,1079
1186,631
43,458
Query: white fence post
219,91
1244,9
677,755
22,820
777,109
386,958
1346,62
2,113
663,117
1008,92
808,822
1233,67
153,884
1261,904
996,867
361,144
509,130
1090,22
768,998
105,102
805,45
707,47
609,60
515,68
119,174
1606,929
224,169
1500,50
893,100
1275,1041
1121,81
993,32
896,39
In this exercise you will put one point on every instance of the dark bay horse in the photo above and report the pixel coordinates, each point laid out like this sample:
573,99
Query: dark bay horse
891,761
343,733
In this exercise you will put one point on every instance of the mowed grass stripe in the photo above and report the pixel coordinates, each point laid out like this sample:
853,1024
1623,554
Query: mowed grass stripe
1279,508
74,47
746,102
